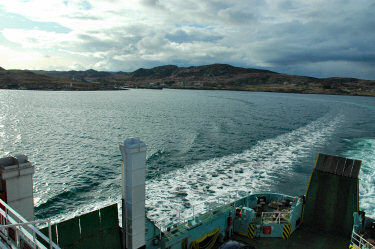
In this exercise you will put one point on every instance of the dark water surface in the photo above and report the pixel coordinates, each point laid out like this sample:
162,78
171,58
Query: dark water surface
203,146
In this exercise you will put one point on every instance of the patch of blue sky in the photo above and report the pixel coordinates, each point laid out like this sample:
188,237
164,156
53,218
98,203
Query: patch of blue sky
15,21
83,5
200,26
86,5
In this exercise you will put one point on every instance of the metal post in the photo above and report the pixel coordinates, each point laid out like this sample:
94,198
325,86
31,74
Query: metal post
123,206
6,221
123,222
34,239
17,237
50,234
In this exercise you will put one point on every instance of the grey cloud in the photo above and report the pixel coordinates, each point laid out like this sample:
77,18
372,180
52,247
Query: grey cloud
182,36
155,4
287,5
329,38
239,17
84,17
302,37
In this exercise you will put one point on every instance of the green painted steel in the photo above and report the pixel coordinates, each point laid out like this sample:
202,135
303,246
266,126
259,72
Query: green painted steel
97,229
109,217
68,232
332,196
45,232
90,223
111,239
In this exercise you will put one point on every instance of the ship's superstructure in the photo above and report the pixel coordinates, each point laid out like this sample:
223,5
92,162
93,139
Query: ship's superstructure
16,177
17,228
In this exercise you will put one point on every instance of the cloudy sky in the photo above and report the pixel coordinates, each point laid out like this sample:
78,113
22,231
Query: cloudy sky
306,37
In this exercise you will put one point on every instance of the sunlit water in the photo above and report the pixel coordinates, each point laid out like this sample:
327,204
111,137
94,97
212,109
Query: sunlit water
204,147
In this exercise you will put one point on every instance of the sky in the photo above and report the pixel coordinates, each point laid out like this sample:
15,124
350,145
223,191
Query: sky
316,38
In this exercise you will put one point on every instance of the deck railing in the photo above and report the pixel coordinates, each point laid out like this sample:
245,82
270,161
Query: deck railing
275,217
203,208
359,242
17,231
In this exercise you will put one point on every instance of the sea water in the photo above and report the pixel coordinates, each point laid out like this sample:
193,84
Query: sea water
204,147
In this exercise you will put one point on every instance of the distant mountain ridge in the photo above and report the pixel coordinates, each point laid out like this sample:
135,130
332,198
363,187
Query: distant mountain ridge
207,70
68,74
214,76
29,80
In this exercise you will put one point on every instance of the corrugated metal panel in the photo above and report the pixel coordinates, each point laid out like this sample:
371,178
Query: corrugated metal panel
342,166
338,165
349,163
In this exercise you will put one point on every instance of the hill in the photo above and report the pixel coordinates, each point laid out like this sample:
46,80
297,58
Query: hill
227,77
215,76
25,79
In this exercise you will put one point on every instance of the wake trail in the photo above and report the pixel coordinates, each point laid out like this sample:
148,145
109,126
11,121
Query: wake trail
225,179
363,149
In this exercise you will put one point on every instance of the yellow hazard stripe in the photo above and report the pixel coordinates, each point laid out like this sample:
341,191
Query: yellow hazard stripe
286,231
250,232
308,186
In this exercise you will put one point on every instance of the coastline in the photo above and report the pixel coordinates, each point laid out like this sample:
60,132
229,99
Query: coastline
207,77
295,91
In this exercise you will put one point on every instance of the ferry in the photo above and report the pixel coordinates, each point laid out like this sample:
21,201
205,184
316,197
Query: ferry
326,216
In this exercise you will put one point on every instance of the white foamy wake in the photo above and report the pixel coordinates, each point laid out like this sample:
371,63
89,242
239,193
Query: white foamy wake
201,185
364,150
